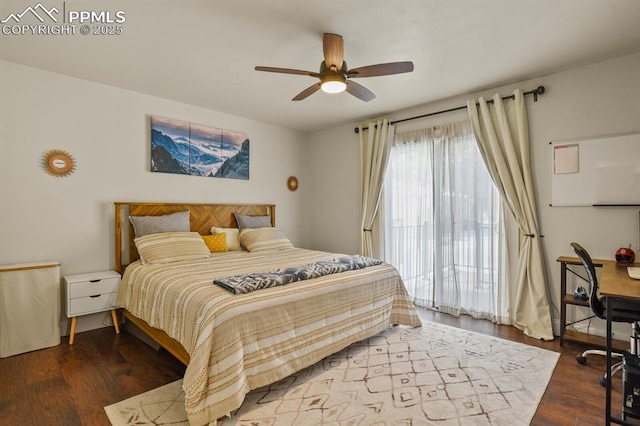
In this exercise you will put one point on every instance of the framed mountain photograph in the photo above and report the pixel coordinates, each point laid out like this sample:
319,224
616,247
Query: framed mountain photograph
193,149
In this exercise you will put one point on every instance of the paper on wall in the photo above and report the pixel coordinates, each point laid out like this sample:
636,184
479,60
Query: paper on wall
565,159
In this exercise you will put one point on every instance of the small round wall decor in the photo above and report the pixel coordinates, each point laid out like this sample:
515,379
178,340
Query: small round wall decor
292,183
59,163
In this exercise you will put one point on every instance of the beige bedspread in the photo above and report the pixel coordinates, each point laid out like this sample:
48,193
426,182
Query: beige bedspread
241,342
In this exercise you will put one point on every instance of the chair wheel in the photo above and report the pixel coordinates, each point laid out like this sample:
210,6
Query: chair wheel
581,359
602,381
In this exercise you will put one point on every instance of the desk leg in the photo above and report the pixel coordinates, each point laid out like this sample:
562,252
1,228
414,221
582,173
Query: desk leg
563,306
608,370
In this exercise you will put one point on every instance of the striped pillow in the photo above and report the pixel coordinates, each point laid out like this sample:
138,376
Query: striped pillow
167,247
264,239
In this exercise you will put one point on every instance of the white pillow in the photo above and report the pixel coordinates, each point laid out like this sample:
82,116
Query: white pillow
264,239
167,247
233,242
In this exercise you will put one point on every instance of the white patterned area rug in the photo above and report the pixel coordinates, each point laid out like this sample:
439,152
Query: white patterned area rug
433,375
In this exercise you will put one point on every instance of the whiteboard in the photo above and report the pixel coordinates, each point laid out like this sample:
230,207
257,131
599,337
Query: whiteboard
598,171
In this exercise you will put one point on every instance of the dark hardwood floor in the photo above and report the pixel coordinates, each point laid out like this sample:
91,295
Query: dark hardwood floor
69,385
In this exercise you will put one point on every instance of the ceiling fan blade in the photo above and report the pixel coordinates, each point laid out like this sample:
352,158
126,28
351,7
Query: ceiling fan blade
381,69
359,91
333,47
307,92
288,71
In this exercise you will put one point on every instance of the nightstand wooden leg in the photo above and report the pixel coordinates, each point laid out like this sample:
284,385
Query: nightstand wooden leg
73,330
114,317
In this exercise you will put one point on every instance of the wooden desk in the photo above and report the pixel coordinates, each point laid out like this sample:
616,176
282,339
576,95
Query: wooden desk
615,285
615,281
592,341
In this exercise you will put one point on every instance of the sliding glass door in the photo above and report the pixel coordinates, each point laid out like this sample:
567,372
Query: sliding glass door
443,228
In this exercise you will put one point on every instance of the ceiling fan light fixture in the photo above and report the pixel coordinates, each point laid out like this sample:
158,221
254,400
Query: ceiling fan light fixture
336,77
333,83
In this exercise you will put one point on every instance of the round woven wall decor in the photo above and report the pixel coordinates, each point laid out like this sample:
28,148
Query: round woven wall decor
59,163
292,183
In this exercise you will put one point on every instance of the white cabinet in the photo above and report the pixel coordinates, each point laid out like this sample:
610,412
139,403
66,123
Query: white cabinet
90,293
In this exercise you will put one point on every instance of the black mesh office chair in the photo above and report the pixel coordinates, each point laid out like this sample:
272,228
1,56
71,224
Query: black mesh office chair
623,312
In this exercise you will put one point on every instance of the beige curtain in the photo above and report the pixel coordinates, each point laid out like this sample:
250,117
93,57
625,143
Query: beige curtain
375,144
502,133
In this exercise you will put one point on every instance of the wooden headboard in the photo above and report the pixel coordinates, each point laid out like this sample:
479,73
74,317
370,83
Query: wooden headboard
202,218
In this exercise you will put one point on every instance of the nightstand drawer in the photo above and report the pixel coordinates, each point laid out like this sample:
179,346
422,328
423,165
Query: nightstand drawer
87,305
92,287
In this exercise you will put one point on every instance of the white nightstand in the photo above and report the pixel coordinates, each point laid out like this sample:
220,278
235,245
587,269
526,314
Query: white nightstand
91,293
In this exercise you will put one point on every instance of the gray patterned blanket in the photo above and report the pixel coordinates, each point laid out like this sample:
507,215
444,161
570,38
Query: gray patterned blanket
245,283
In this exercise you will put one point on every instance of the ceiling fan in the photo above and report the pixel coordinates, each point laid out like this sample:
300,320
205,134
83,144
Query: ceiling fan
334,75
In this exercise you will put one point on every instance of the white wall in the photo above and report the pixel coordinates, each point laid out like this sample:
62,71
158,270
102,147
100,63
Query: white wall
334,175
106,130
596,100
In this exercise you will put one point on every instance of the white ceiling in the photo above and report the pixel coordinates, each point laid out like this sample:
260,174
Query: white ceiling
203,52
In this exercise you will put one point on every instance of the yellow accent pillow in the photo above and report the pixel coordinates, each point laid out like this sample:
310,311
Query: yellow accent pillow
217,243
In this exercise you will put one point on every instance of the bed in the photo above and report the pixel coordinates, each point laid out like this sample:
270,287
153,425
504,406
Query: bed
233,343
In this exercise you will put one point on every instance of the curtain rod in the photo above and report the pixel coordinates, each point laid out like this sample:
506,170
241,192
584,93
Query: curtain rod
535,92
